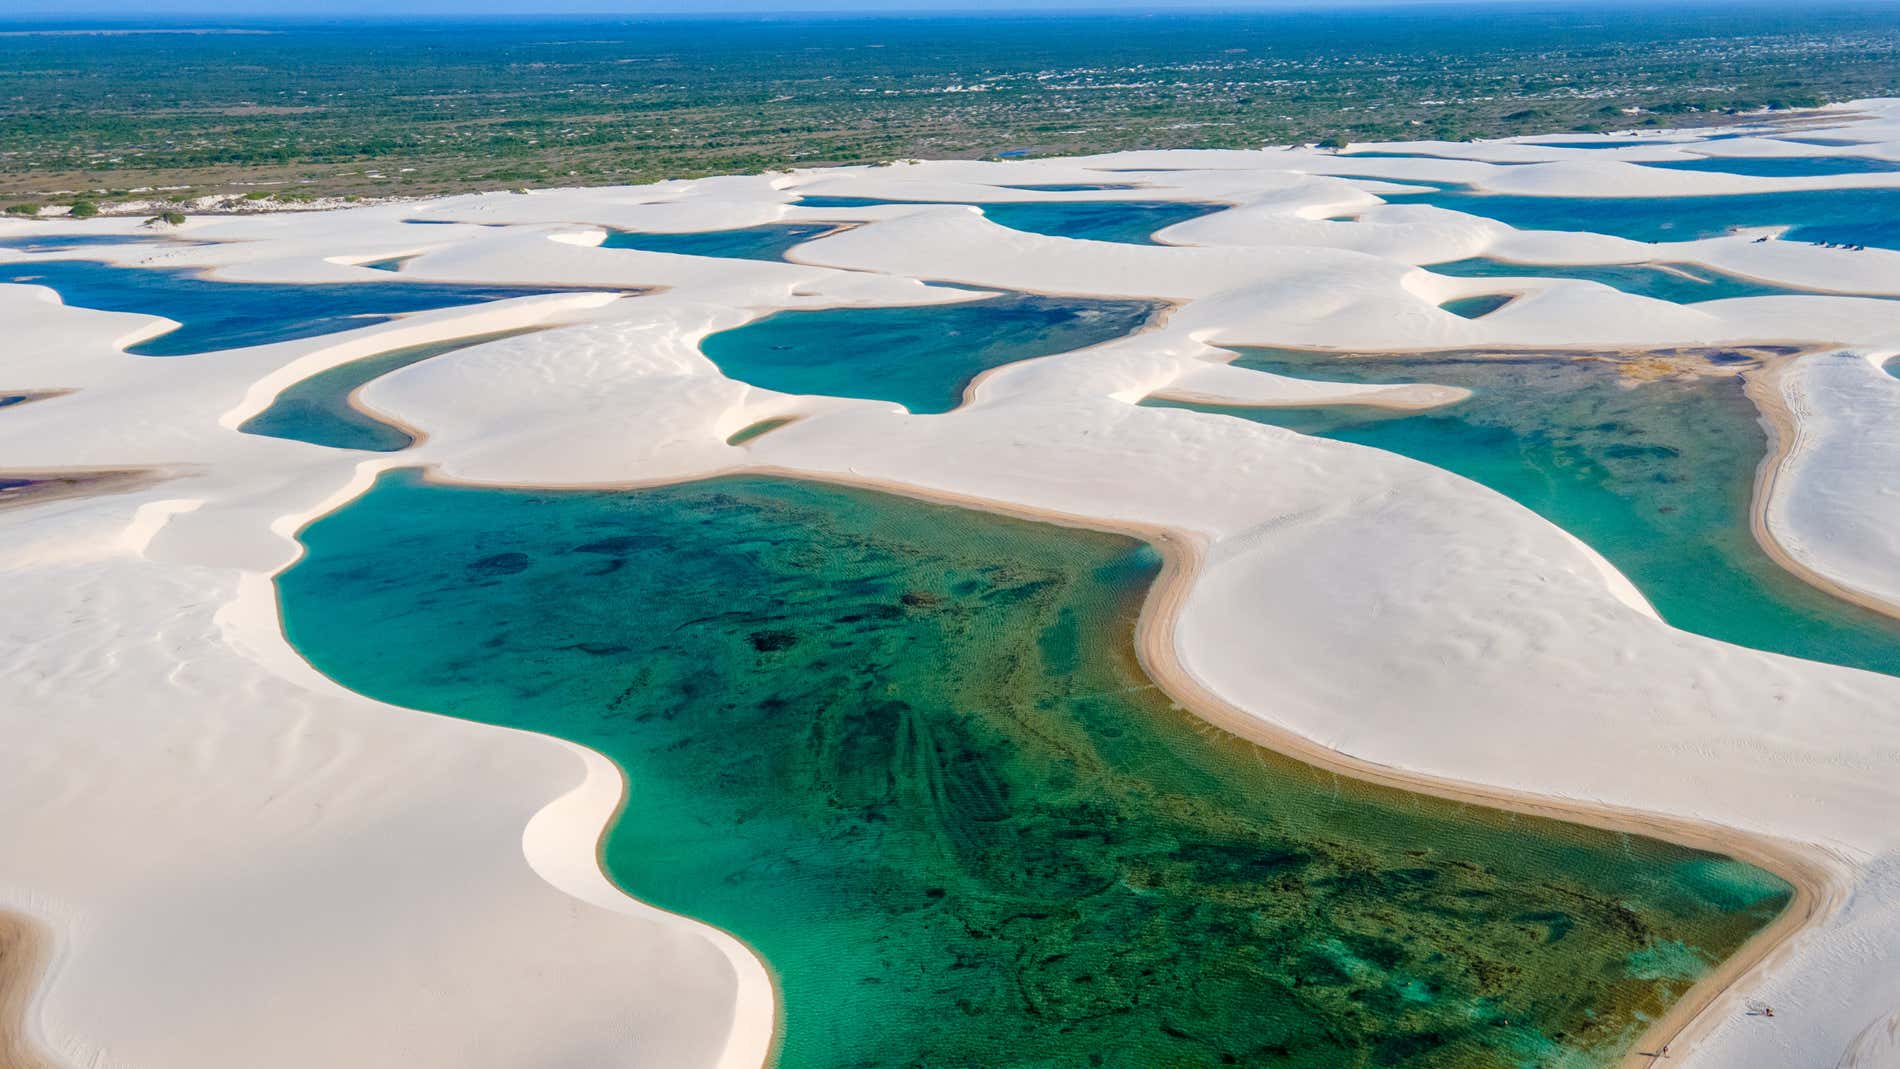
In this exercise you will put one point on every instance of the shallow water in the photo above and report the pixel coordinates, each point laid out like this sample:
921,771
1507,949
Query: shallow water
318,410
1847,216
1679,283
1128,222
69,242
1659,478
1478,307
231,315
905,752
1782,166
922,357
769,242
1072,187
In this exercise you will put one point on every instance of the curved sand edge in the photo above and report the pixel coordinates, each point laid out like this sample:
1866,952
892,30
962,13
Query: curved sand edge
1766,390
564,841
25,953
1819,888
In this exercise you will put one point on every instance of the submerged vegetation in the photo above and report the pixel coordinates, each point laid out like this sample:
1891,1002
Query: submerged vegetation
293,111
907,753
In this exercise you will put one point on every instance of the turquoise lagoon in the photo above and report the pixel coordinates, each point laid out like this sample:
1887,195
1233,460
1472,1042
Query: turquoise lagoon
228,315
318,409
906,753
1782,166
1827,216
1479,306
1129,222
921,357
1679,283
768,242
1657,476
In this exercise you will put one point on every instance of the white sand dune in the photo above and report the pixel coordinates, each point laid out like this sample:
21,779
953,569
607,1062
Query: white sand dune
240,863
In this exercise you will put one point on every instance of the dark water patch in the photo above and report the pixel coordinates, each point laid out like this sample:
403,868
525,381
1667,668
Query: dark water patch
318,409
1781,166
393,263
755,430
216,315
922,357
769,242
1127,222
1679,283
27,397
1653,469
906,752
1478,307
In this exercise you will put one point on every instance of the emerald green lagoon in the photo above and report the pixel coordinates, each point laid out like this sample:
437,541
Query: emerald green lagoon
1658,476
905,751
318,409
920,356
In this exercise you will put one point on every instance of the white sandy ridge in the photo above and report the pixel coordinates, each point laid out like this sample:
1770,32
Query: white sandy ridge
242,863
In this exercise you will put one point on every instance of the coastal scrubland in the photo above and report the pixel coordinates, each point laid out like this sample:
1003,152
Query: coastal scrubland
271,114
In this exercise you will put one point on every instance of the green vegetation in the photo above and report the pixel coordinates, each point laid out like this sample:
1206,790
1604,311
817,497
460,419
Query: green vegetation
329,109
83,209
908,754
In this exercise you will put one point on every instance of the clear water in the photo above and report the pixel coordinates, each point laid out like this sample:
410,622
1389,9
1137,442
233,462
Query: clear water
1657,476
905,752
1846,216
1378,155
1830,142
770,242
1477,307
230,315
1073,187
1782,167
1680,283
69,242
318,410
922,357
1128,222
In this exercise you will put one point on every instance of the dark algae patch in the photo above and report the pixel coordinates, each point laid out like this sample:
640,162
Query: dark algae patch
906,752
757,430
